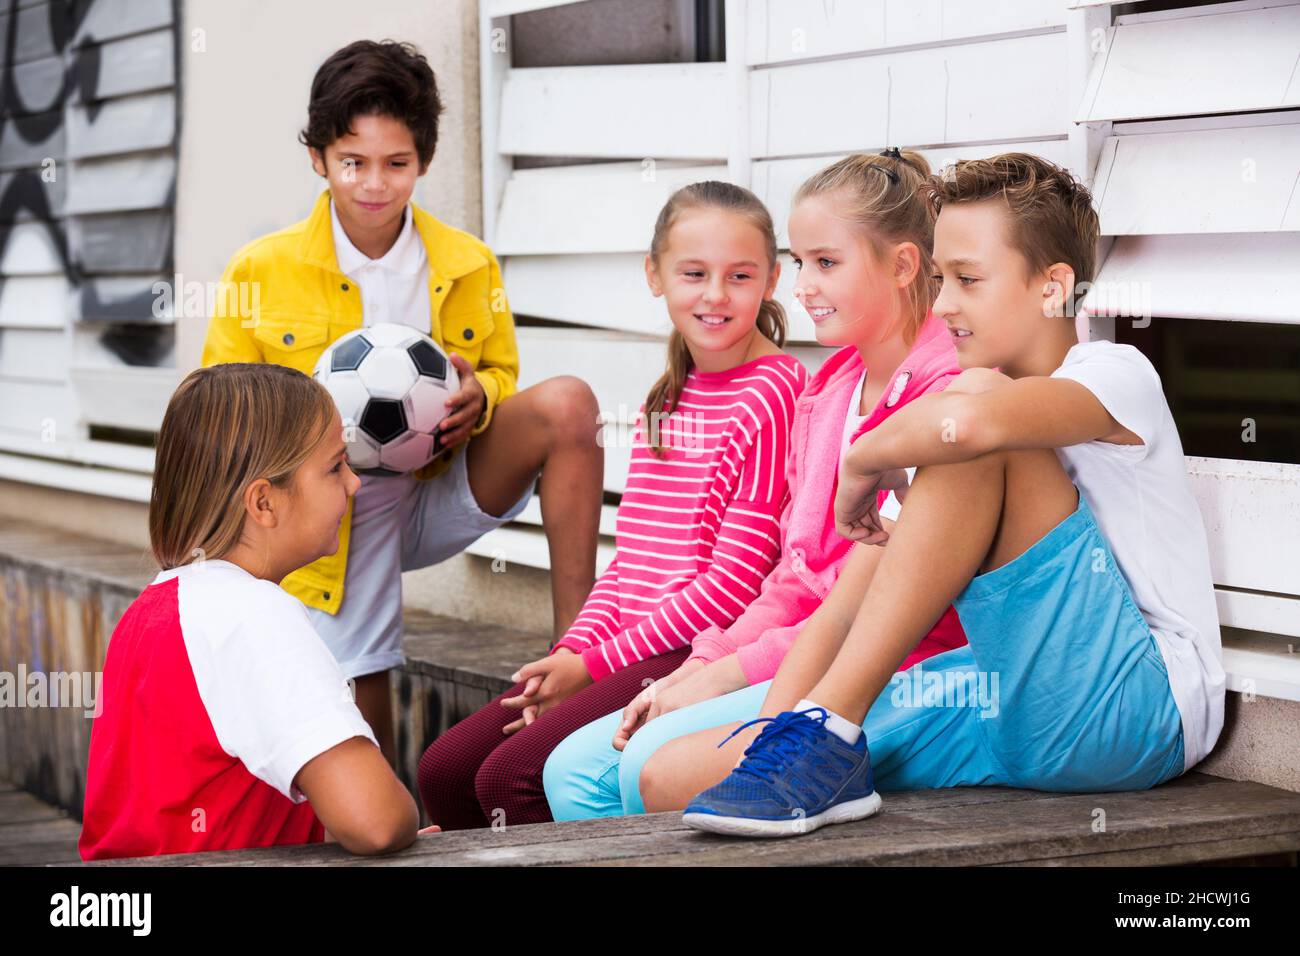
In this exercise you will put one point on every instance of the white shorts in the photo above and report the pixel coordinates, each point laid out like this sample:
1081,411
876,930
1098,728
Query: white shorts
398,524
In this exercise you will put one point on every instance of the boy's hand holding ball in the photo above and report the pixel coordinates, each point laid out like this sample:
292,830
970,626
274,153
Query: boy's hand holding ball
465,408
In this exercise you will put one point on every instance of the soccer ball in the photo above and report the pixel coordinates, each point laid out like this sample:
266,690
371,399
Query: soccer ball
390,383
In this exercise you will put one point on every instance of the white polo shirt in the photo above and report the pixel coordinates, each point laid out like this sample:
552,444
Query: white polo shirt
394,287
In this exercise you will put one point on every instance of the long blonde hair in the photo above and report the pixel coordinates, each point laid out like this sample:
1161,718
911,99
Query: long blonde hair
771,316
882,195
226,426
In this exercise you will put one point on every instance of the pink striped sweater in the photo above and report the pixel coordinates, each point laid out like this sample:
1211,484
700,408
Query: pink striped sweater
699,530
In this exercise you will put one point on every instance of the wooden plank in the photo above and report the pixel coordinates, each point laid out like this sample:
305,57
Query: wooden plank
604,291
34,302
34,353
1243,277
1176,822
546,835
527,546
142,62
1252,521
785,30
1265,665
661,110
31,249
42,409
1242,61
38,194
36,86
107,19
18,152
1230,180
619,368
124,397
129,242
600,208
140,181
143,121
921,96
1267,613
1168,823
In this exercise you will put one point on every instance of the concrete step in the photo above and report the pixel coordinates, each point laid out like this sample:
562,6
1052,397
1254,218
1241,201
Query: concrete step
452,669
33,833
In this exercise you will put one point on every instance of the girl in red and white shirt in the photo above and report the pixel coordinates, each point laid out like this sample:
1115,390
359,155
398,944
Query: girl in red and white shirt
226,722
698,528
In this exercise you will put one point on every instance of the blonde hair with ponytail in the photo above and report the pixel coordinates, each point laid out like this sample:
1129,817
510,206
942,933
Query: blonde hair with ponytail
882,195
771,322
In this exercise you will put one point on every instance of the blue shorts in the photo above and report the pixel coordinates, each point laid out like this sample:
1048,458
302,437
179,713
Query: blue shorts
1061,687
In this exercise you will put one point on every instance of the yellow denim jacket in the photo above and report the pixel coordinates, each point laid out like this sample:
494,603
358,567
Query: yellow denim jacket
294,301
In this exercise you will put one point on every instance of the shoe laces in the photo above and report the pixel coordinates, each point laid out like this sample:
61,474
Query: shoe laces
785,735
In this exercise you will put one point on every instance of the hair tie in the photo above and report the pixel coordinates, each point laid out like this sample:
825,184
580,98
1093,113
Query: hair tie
892,152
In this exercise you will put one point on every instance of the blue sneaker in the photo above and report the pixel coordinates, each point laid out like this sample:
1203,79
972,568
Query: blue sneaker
797,776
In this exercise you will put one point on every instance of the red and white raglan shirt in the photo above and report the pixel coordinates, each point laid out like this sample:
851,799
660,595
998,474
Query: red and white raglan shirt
699,529
216,692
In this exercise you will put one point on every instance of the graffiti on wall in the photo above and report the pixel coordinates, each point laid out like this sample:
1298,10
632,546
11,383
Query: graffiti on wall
88,132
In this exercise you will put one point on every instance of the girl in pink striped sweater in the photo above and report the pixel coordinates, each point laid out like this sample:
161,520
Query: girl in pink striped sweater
698,527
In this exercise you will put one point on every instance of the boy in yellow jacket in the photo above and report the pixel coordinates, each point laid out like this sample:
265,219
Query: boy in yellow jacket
365,255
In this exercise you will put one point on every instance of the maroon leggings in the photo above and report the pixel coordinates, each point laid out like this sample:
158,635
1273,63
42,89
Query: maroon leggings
473,775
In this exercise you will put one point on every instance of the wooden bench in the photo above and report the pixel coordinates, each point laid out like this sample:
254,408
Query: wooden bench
1194,819
66,593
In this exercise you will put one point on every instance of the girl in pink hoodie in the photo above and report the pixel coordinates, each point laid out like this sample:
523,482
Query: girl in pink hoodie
861,237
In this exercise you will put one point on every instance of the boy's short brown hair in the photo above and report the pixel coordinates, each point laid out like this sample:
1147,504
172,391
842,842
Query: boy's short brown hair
1052,217
368,78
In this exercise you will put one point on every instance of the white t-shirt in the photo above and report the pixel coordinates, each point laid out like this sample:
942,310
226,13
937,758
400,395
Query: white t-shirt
1142,499
852,422
273,691
394,287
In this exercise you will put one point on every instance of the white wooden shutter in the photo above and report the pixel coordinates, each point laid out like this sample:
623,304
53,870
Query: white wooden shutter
1196,187
87,174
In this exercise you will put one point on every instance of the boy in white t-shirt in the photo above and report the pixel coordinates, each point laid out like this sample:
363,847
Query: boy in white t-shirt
1051,507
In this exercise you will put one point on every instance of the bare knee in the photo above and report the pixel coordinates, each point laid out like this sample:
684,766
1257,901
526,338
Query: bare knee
568,410
1039,470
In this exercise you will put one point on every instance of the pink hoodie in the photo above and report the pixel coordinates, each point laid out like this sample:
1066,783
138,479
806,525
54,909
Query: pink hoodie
812,553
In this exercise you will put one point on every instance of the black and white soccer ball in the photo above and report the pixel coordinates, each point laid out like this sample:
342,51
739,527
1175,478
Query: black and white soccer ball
391,383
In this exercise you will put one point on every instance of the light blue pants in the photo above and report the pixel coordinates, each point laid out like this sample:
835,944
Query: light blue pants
1062,687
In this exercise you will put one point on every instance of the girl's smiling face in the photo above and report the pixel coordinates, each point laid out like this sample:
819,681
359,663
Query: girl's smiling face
714,274
850,294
